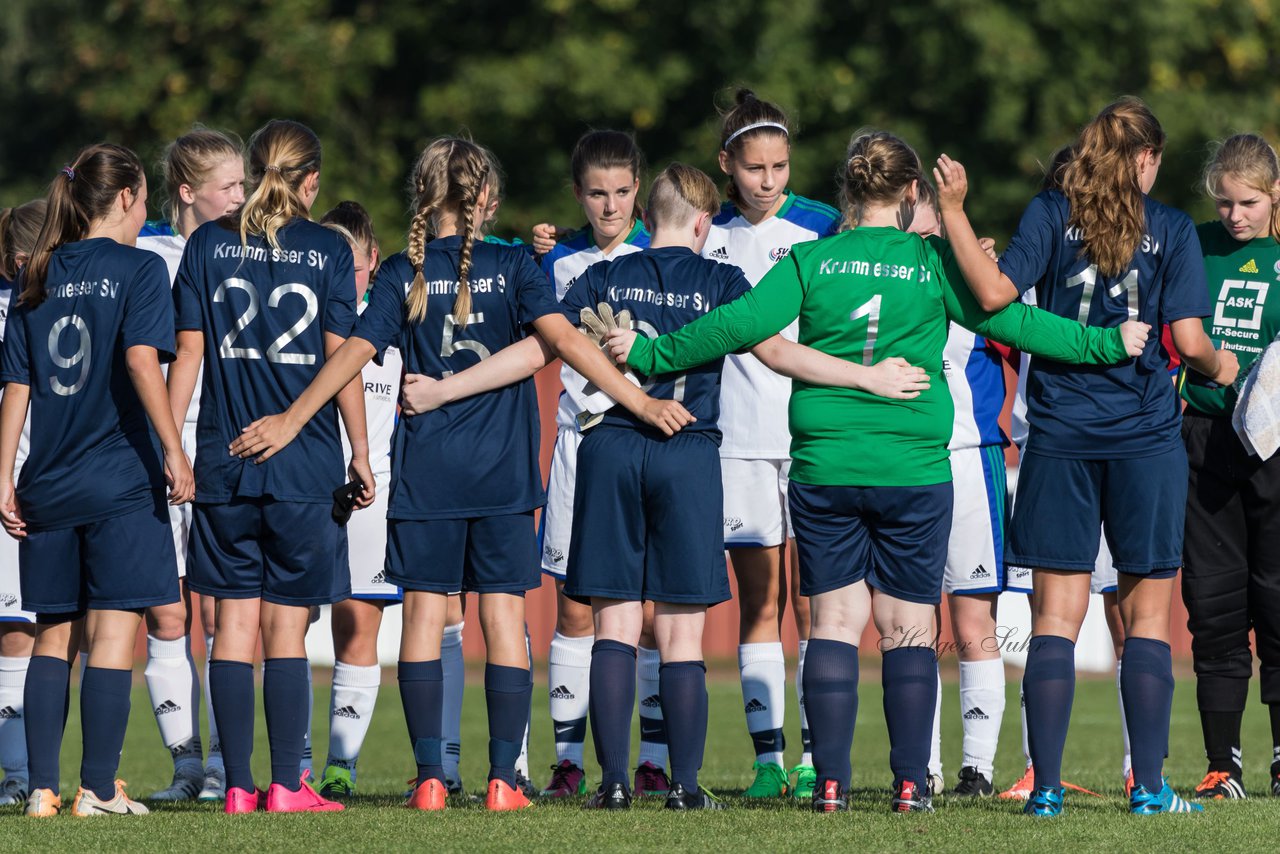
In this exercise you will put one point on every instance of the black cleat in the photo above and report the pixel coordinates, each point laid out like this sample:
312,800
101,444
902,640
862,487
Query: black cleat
973,784
1275,779
910,797
829,797
612,797
700,799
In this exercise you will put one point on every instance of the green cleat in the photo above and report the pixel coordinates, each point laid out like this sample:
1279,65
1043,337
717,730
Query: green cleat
770,782
806,782
336,783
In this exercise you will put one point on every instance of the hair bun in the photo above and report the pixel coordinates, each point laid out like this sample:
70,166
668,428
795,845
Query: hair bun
744,95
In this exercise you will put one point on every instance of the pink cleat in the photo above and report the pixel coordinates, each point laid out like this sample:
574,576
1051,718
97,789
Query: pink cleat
306,799
243,801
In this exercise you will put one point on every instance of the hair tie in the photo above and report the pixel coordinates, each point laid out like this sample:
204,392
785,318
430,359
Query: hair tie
69,172
755,126
272,168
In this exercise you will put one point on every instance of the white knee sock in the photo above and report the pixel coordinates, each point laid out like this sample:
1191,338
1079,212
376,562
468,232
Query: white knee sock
171,682
13,738
653,732
982,711
763,671
569,684
351,704
451,719
935,747
806,758
214,758
1127,765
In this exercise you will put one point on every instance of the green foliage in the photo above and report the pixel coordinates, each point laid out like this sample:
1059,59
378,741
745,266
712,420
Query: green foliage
997,83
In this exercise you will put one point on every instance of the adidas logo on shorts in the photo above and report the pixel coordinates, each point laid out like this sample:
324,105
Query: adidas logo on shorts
560,692
168,706
553,554
651,702
975,714
755,706
979,574
380,578
732,523
346,712
721,254
9,713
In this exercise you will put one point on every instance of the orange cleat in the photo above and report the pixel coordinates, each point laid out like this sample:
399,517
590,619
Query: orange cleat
1021,790
43,803
502,798
429,795
306,799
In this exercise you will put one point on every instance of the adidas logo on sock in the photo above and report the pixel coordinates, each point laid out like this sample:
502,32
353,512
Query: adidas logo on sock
560,692
346,712
168,706
975,714
755,706
651,702
1250,267
380,578
980,572
721,254
9,713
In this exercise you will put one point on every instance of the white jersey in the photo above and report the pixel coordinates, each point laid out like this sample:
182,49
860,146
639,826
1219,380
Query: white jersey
381,394
975,379
1018,425
753,399
563,265
24,441
169,247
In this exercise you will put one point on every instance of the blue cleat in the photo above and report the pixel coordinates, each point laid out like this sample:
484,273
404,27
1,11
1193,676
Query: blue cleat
1143,802
1045,802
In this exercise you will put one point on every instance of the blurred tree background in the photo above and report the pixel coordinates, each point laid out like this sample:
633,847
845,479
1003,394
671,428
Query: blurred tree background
998,84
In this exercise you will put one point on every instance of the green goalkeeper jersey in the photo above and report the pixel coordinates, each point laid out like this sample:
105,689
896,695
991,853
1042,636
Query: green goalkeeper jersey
866,295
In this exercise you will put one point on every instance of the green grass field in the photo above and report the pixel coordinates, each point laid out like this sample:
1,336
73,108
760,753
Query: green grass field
376,821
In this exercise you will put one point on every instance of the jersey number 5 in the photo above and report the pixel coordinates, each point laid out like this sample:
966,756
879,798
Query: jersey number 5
449,346
275,352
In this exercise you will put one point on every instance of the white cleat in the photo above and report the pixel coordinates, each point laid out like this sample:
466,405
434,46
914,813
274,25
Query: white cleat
88,805
215,784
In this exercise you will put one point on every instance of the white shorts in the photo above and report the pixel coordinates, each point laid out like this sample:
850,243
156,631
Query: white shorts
180,516
367,548
557,517
975,550
10,584
755,502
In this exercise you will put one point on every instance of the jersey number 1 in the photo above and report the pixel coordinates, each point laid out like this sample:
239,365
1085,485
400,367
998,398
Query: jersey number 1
1087,280
871,311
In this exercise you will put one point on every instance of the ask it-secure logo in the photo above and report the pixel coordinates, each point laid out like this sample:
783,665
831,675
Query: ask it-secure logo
1240,304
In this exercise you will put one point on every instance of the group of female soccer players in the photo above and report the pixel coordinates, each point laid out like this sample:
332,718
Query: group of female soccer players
289,344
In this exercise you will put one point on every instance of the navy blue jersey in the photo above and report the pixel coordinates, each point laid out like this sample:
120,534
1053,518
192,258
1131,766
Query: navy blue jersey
1106,411
664,289
478,456
264,313
93,455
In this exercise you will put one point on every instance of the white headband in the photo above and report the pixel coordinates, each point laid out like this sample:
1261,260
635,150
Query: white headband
755,126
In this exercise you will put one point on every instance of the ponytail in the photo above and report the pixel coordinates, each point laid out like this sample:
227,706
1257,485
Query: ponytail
282,154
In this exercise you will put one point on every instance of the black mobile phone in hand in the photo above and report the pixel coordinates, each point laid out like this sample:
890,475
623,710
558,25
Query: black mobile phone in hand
344,500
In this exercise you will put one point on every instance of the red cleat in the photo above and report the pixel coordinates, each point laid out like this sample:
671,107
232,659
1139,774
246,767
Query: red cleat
429,795
502,798
243,801
306,799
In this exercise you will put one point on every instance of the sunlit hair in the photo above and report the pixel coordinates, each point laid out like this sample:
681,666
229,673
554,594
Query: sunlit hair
190,159
353,222
750,118
1102,186
448,178
1057,165
282,154
679,193
878,170
81,194
19,229
1249,159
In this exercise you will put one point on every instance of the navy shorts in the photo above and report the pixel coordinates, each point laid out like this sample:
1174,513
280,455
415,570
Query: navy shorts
648,519
893,537
484,554
120,564
284,552
1140,503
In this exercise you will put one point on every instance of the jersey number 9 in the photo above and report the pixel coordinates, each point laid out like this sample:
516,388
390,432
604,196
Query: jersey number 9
81,357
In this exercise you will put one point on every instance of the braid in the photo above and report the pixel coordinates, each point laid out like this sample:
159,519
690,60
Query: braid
462,302
417,302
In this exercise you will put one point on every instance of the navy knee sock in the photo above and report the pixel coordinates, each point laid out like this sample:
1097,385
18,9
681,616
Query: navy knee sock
612,697
910,678
1049,686
422,696
682,688
1146,688
45,699
104,716
231,694
285,690
831,703
508,691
